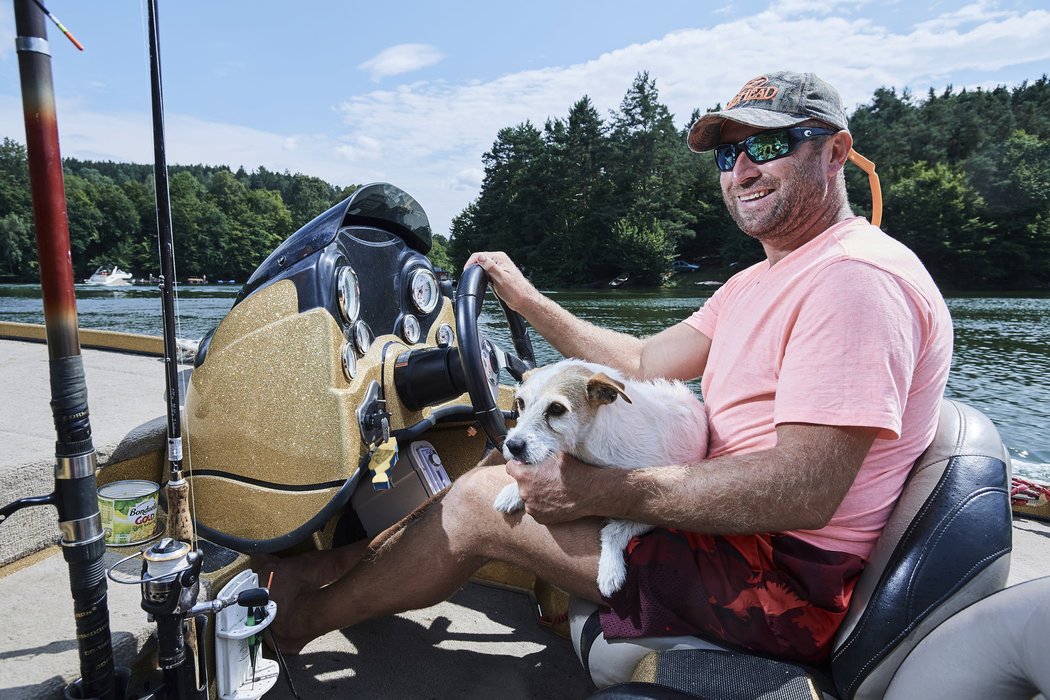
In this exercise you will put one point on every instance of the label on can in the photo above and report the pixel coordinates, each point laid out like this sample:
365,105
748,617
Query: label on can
129,511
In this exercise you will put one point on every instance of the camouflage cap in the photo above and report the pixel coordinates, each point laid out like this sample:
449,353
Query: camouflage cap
773,101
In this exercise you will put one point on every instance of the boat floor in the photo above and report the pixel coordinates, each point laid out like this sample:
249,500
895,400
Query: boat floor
483,642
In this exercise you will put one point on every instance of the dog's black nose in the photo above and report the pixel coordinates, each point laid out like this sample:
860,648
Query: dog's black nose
516,446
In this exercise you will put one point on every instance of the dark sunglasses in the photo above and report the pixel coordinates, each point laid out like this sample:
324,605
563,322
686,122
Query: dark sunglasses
766,145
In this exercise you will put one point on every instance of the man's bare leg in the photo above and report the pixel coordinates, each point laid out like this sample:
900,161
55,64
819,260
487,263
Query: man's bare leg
325,566
432,553
315,569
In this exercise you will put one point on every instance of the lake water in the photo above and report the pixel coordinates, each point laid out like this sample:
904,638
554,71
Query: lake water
1001,363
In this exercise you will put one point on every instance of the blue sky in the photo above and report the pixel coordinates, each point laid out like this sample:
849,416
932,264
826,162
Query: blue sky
414,93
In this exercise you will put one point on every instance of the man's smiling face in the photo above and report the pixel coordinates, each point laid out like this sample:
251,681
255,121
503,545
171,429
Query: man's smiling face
779,200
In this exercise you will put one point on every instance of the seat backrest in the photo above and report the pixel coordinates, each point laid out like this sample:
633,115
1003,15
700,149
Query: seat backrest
946,546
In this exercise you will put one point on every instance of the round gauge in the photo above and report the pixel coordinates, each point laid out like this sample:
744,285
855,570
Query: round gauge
349,293
446,336
410,329
363,337
349,361
423,286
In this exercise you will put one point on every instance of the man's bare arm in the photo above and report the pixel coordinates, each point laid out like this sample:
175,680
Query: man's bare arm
798,484
679,352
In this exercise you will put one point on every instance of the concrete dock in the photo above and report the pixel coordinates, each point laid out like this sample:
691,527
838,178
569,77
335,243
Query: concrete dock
484,642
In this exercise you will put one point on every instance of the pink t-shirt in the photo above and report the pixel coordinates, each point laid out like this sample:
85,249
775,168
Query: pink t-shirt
848,329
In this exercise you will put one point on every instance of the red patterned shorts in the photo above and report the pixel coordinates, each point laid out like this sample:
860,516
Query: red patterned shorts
767,593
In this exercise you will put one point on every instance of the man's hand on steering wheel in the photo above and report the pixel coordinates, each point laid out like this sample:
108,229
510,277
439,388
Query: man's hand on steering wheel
508,283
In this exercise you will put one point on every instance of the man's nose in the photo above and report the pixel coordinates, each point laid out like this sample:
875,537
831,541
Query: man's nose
744,168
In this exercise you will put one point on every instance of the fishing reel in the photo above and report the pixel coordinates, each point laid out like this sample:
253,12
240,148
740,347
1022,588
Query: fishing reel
170,586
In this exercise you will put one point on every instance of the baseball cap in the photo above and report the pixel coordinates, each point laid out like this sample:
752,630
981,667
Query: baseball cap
773,101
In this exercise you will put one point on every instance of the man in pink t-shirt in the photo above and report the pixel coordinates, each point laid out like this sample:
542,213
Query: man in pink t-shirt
846,330
822,368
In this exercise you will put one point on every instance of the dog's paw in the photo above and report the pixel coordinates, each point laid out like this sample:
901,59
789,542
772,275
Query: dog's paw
612,571
508,500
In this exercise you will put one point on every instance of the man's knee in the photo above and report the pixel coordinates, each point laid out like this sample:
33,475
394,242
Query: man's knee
472,527
475,491
492,458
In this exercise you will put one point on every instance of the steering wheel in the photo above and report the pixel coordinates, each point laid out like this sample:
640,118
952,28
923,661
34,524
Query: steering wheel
481,358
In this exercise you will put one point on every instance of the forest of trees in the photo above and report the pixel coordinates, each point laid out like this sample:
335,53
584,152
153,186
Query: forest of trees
966,184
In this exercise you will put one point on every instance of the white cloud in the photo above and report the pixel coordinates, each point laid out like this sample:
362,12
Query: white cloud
468,180
983,11
794,8
403,58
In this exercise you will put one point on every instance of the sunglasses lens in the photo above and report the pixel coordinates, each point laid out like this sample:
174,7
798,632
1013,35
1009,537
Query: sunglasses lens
725,157
768,145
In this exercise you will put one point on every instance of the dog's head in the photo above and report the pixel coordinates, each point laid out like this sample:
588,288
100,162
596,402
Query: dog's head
555,406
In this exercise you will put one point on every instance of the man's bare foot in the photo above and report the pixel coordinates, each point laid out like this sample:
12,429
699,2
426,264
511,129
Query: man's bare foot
287,628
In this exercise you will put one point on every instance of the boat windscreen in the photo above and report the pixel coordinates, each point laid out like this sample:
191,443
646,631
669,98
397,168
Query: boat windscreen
379,205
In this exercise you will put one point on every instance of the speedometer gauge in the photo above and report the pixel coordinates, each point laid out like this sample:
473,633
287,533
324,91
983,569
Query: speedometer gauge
423,287
349,293
363,337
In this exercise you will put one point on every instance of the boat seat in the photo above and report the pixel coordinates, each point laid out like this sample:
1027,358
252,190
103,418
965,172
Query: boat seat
945,546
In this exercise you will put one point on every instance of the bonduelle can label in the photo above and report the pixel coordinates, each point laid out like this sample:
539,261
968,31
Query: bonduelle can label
129,511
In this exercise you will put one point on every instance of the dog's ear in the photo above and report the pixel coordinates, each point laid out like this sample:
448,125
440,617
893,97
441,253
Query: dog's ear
602,389
528,373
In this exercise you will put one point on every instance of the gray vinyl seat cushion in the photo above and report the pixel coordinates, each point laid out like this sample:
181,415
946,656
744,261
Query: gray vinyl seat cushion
945,546
996,648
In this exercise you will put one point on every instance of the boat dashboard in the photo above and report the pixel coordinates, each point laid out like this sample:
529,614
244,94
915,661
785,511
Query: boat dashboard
342,347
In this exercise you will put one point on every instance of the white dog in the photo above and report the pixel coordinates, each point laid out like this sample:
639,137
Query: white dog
572,407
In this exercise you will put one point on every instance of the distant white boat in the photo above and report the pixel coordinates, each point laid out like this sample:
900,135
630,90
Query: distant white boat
109,277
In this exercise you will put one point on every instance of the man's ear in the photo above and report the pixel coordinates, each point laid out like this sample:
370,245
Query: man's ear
841,142
602,389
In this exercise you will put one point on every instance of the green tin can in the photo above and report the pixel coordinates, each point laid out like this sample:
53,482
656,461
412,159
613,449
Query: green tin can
129,511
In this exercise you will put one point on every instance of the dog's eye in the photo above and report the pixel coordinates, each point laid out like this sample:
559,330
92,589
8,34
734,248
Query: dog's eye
519,404
556,409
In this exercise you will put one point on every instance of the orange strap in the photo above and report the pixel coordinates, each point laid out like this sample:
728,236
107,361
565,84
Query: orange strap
873,182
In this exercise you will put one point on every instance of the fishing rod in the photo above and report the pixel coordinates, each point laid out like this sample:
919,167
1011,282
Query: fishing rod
75,495
180,658
172,597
